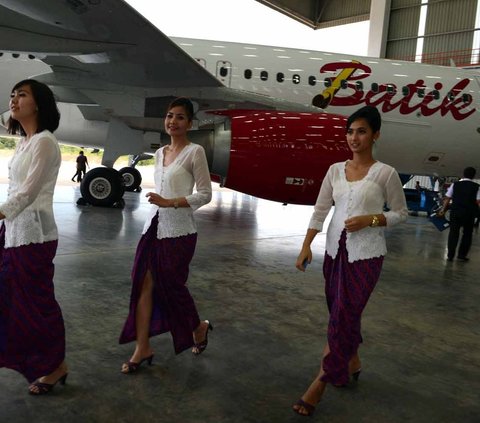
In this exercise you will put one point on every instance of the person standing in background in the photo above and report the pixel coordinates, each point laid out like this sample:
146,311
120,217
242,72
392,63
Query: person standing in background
82,163
464,196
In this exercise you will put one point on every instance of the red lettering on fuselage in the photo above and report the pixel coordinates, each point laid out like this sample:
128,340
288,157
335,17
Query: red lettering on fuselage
384,96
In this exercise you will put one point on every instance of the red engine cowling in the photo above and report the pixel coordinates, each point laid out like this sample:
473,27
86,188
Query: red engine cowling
283,156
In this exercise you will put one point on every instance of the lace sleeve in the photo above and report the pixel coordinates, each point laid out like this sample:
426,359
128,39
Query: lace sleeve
201,174
324,202
43,154
395,199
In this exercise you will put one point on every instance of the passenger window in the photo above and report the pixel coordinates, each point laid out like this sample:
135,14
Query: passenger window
247,74
344,83
312,80
405,91
327,82
263,75
436,94
296,79
390,89
359,85
467,98
223,71
280,77
421,92
375,87
451,96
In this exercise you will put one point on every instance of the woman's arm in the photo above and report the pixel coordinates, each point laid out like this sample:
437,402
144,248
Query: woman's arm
322,207
395,199
44,152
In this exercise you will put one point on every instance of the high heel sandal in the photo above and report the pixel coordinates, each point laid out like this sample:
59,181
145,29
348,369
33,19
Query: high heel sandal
309,408
353,378
132,367
356,374
202,346
45,388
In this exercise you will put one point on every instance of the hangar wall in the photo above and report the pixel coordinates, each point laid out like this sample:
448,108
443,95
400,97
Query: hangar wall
449,29
449,26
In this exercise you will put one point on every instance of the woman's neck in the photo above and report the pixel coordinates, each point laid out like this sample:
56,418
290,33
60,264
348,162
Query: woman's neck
30,128
176,143
363,159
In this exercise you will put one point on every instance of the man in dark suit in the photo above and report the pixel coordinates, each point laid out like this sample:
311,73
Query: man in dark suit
465,200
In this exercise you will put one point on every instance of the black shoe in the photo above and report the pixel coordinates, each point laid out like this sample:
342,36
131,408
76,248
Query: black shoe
463,258
73,180
449,258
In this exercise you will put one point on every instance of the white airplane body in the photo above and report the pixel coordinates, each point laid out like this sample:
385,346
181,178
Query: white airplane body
260,108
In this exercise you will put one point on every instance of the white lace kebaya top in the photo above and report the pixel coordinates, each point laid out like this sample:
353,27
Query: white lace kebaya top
33,172
176,180
366,196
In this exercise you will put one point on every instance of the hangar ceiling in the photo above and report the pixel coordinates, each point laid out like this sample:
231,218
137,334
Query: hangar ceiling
322,13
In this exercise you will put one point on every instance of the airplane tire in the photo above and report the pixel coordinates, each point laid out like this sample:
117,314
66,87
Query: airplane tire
131,178
102,186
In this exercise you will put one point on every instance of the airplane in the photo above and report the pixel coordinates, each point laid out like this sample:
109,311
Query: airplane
271,119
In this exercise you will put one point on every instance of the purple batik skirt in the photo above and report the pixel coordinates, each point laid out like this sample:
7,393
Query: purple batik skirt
174,310
32,334
347,289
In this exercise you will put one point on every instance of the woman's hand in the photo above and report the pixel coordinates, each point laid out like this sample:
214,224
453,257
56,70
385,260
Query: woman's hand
305,254
158,200
358,222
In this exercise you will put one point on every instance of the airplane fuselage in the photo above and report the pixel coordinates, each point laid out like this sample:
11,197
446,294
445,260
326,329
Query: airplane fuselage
430,113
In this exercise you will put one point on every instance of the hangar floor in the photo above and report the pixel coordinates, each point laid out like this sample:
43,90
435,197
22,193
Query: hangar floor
421,356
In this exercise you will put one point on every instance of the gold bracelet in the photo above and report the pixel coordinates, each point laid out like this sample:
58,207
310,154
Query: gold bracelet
375,221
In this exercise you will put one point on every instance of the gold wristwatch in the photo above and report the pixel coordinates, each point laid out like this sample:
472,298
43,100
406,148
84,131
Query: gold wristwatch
375,221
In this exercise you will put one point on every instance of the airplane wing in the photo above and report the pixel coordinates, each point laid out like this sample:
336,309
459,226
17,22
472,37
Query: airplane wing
104,53
98,42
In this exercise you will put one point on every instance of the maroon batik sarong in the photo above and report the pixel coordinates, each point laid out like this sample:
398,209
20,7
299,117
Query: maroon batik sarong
174,310
32,333
347,288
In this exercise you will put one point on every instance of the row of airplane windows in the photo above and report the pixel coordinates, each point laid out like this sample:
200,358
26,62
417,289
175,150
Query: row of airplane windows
312,80
359,86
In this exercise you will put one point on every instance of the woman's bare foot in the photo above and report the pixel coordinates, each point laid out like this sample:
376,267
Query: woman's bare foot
312,397
138,356
50,379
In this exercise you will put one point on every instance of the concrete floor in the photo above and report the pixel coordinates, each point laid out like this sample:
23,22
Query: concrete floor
421,356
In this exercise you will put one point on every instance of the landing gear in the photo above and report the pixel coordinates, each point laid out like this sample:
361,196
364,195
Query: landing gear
103,186
131,178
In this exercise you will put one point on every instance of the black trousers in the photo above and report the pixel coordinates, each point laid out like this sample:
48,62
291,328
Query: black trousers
457,221
79,175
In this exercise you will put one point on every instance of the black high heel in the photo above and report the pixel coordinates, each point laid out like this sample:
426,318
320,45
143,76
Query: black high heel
356,374
202,346
132,367
45,388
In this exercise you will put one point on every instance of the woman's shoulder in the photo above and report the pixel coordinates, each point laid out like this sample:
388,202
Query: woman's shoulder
195,147
338,166
45,134
385,167
45,138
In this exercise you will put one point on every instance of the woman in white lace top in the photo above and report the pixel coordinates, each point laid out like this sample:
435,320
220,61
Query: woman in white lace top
32,334
160,301
358,188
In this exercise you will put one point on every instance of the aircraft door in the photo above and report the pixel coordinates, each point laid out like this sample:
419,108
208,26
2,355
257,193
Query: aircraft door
224,72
